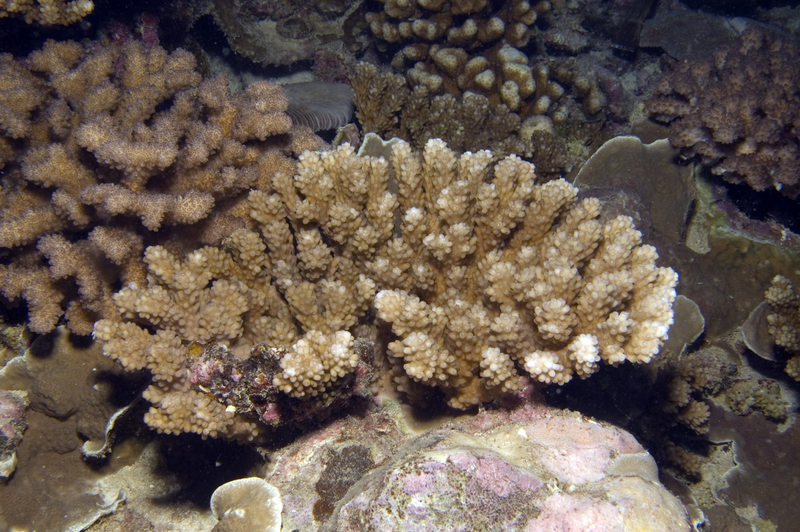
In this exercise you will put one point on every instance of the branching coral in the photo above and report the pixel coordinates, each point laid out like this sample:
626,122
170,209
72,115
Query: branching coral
486,278
737,110
47,12
494,278
469,119
297,289
388,107
486,49
225,297
783,321
100,137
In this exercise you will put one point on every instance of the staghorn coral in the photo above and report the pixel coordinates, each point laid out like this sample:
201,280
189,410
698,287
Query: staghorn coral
103,136
737,110
47,12
495,278
783,321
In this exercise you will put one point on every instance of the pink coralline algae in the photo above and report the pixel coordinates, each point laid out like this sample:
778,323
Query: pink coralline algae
531,469
12,424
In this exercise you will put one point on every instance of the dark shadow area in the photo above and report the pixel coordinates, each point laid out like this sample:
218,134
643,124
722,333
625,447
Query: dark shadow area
765,206
200,466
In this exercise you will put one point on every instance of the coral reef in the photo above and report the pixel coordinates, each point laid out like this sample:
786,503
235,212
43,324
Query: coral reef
737,110
783,320
478,72
532,468
118,142
47,12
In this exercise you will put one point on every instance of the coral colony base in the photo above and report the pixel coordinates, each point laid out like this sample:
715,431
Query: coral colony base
488,280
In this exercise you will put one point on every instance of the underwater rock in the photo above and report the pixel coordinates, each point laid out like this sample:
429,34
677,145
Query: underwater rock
12,425
684,34
526,469
282,33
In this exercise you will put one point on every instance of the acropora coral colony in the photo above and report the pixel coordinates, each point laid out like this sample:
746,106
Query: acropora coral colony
488,281
480,280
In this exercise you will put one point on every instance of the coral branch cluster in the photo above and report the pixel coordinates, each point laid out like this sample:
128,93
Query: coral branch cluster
296,287
487,279
477,75
738,111
47,12
120,142
783,321
494,279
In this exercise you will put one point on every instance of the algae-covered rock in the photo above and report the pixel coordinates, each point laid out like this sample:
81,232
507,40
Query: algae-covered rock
525,469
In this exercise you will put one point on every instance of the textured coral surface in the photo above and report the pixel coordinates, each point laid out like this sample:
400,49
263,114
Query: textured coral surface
106,147
737,109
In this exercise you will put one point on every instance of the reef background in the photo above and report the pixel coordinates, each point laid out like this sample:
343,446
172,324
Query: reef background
551,82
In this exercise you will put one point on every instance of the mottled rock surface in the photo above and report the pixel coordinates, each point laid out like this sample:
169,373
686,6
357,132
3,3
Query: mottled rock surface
531,469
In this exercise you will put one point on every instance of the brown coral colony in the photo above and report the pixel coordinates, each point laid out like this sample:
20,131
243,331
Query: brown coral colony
489,281
738,110
202,237
97,137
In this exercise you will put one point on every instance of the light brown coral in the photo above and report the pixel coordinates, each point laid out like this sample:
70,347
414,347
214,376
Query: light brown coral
491,278
386,106
47,12
129,136
494,271
487,280
186,309
296,286
784,321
